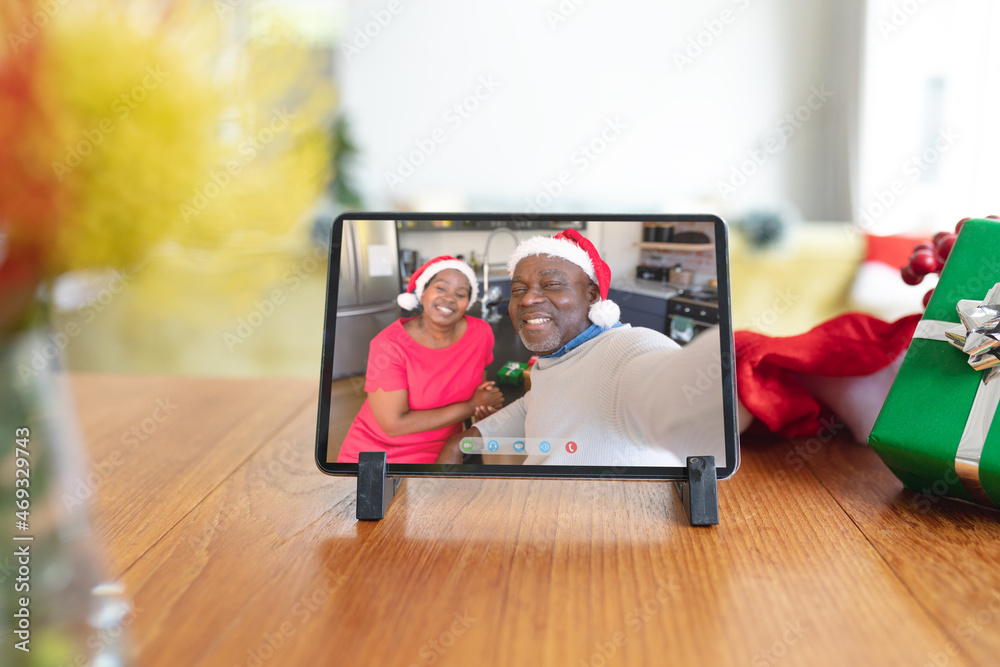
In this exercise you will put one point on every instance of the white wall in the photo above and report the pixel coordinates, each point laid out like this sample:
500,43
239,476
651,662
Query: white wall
930,136
613,240
677,130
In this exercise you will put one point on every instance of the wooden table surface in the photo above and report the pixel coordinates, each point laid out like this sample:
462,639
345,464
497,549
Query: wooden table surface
236,550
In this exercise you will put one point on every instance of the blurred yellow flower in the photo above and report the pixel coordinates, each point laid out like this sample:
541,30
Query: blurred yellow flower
168,134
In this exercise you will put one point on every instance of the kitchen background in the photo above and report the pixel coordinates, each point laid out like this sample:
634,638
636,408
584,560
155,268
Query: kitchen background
817,129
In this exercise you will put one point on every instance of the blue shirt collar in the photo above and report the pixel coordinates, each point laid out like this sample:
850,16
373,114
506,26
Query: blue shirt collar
590,332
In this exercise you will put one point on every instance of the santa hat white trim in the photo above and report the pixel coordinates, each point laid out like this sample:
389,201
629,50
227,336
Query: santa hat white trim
408,301
411,300
605,313
553,247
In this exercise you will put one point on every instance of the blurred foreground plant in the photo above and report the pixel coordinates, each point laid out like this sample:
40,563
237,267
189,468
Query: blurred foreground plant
137,129
145,136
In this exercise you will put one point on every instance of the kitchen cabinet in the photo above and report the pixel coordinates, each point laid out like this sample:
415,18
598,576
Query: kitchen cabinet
684,247
640,310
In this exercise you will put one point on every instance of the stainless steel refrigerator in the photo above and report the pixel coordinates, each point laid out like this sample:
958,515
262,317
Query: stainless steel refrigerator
368,287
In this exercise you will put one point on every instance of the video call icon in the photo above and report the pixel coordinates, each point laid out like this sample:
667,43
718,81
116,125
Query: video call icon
467,445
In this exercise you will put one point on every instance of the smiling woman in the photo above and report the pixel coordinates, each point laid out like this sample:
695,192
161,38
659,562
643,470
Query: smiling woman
425,373
444,302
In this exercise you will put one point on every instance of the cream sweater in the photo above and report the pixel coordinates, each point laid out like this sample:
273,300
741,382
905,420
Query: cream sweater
629,397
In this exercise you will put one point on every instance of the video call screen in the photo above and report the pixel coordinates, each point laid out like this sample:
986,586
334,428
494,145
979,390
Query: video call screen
632,400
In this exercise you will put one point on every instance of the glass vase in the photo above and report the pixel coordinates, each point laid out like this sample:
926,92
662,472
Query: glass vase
54,608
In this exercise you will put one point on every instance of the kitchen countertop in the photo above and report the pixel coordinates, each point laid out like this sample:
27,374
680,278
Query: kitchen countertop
653,288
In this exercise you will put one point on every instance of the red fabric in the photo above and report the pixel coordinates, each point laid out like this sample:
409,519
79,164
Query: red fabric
433,378
853,344
892,250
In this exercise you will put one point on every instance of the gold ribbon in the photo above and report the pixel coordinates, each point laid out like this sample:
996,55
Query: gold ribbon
978,336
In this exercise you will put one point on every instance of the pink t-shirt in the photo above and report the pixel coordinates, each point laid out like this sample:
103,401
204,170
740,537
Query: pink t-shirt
434,378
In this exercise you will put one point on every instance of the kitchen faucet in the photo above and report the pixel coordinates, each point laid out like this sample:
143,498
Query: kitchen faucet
486,263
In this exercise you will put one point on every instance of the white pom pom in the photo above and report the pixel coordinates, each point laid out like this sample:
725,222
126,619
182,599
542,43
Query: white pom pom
604,313
408,301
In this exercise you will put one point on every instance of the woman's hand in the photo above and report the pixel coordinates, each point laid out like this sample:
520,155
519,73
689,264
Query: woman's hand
486,400
392,411
483,412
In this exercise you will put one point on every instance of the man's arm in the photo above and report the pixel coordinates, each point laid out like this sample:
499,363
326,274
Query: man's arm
672,399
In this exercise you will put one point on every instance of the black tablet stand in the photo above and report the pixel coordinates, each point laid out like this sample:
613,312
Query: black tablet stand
375,488
700,492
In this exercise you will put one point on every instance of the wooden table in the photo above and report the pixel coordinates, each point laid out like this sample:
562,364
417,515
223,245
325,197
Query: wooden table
237,551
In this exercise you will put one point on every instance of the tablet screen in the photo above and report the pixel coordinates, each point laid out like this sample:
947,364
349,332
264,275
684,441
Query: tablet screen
571,346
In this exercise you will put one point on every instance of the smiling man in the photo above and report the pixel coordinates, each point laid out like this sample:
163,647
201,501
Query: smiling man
625,396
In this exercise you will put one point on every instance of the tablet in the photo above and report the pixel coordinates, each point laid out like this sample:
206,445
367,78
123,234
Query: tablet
628,400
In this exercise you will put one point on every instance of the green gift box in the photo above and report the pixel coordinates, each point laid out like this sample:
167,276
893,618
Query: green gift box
938,430
511,372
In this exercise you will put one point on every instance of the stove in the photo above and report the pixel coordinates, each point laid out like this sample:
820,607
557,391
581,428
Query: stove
700,306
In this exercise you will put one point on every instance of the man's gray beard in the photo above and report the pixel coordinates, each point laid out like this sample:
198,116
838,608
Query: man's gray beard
548,344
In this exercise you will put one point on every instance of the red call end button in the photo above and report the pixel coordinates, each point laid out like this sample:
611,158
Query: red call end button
571,447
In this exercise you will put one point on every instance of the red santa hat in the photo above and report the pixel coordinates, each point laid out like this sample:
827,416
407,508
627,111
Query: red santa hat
573,247
410,299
